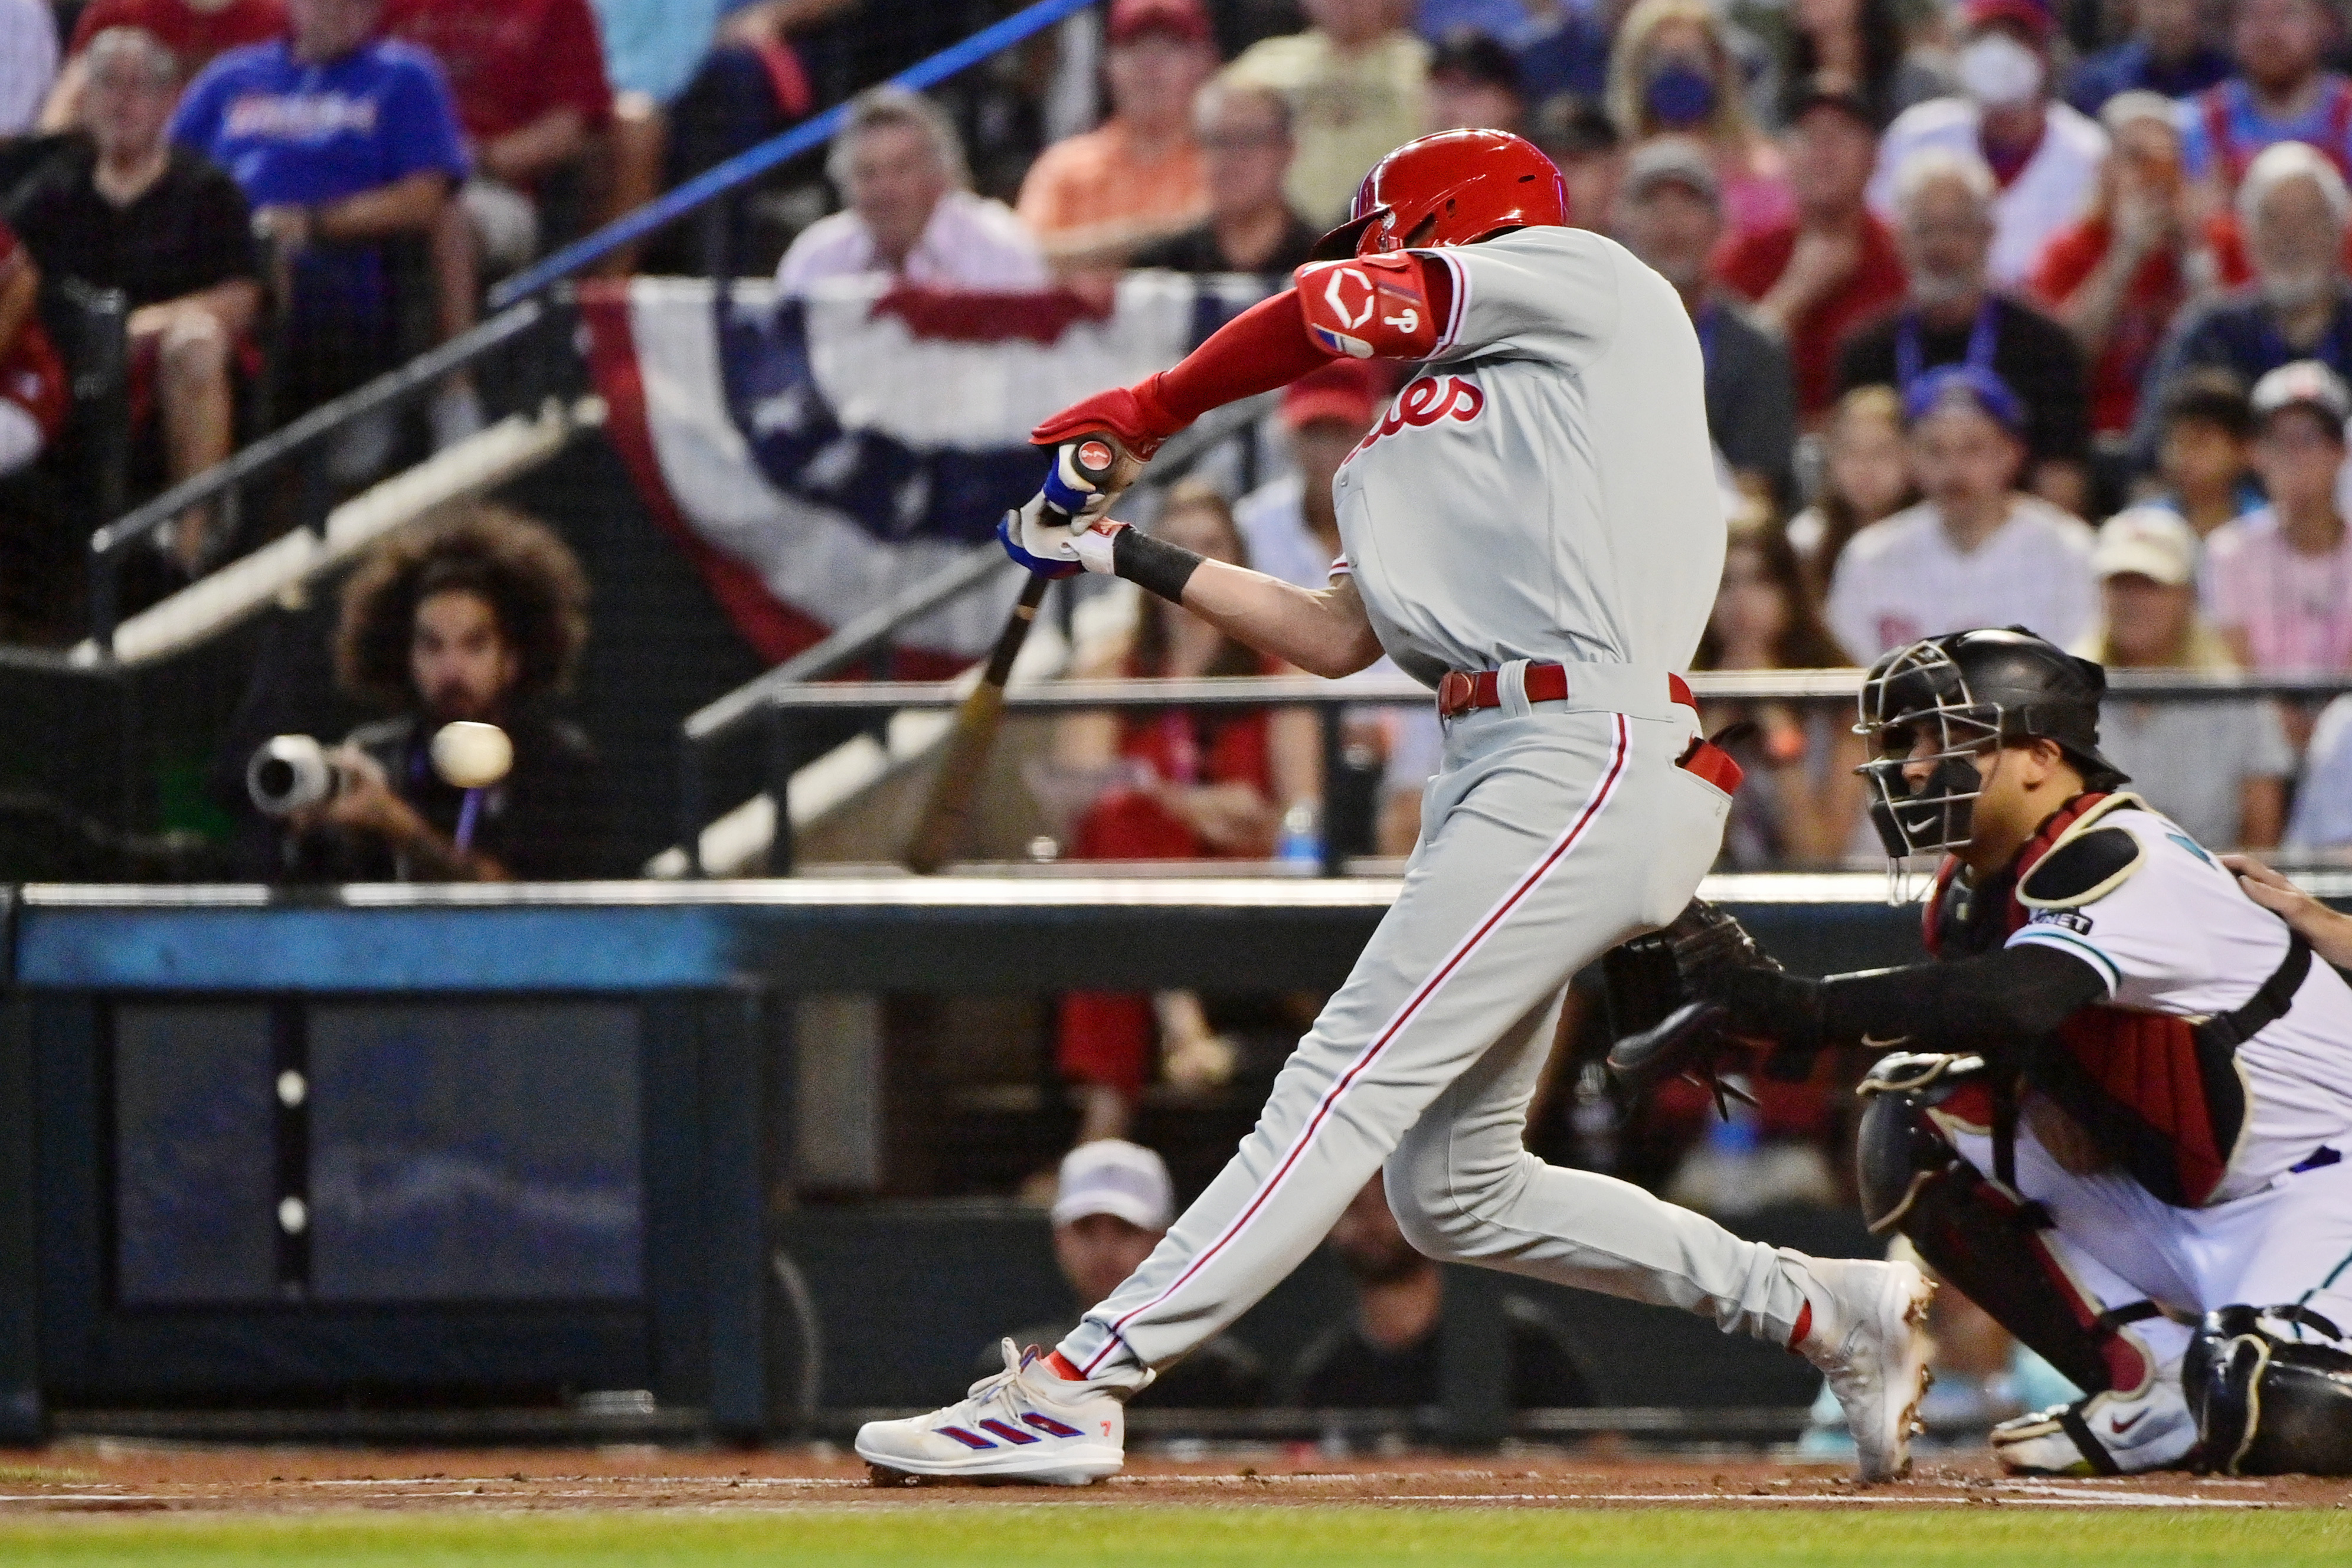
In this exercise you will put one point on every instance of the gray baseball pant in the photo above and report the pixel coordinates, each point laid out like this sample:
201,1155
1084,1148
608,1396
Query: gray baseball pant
1550,835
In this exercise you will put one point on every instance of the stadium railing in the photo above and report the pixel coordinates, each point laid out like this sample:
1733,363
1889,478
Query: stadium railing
786,696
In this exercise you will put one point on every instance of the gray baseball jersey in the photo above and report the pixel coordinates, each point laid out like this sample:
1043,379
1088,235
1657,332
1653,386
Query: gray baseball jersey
1544,489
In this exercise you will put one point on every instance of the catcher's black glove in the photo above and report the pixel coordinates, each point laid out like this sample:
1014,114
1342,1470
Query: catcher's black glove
1695,994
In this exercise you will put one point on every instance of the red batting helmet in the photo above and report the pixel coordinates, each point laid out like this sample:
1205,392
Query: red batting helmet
1453,188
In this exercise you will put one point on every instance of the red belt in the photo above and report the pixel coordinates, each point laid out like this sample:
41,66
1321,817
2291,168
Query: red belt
1466,691
1463,691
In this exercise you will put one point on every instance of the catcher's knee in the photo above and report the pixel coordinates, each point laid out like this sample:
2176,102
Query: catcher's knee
2265,1403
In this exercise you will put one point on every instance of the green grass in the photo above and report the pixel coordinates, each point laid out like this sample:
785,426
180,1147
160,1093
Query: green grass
1043,1536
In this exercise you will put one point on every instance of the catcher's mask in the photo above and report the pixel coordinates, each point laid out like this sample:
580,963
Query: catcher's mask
1962,693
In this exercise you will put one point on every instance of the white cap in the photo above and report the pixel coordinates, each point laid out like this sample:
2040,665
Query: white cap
2154,542
1111,1175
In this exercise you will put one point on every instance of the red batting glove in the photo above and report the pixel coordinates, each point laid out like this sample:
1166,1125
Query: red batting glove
1137,415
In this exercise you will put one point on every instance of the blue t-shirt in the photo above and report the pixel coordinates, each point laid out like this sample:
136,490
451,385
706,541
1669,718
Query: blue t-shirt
2133,66
1568,54
2327,125
1505,21
303,135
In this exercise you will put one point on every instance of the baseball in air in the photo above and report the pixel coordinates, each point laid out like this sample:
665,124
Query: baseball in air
472,756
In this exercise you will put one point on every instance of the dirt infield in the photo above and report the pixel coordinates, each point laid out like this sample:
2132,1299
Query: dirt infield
105,1476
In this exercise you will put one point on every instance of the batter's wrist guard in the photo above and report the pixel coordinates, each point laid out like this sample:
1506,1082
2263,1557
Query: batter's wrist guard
1370,307
1153,565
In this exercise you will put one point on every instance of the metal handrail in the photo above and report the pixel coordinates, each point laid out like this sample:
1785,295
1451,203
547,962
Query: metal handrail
755,701
389,390
1309,691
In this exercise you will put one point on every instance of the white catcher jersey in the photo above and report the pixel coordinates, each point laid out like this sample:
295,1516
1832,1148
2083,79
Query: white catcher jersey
1543,489
2179,935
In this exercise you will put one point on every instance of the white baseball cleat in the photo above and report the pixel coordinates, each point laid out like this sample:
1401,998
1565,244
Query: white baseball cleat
2105,1434
1022,1425
1869,1337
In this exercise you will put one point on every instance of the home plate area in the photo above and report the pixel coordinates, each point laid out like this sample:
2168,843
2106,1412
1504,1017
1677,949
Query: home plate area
112,1477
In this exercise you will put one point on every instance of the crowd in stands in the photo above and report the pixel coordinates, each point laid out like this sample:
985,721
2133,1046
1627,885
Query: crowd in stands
1970,276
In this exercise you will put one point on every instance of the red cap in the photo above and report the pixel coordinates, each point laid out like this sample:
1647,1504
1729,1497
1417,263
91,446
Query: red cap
1342,390
2034,15
1131,19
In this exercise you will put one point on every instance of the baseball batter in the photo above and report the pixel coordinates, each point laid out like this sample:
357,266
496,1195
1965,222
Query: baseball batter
2120,1121
1533,529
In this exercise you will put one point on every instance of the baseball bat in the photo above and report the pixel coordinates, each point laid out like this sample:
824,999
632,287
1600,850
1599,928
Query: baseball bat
941,828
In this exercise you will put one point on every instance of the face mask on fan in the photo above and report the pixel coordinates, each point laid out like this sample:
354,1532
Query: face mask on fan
1998,72
1681,95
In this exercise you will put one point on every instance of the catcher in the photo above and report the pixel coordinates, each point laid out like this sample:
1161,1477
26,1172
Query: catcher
2119,1099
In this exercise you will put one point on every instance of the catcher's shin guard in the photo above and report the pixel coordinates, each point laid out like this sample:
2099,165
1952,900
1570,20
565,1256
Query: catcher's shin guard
2266,1405
1991,1246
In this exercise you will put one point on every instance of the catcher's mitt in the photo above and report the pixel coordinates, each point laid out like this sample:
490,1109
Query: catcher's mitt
1660,1008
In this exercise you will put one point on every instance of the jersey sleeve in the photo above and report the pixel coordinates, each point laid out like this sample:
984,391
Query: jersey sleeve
2131,927
1542,293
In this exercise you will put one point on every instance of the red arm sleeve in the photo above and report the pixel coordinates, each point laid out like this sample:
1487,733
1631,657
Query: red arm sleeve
1269,345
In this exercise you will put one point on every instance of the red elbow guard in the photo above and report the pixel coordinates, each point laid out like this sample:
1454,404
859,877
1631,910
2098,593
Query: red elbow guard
1376,307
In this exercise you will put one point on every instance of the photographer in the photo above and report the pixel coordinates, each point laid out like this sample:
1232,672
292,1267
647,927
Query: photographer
479,618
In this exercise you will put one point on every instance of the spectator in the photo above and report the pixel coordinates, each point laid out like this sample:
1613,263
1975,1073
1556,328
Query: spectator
1815,276
1565,48
2279,580
340,141
2293,207
1112,1203
133,213
2323,802
1671,218
1291,525
1577,135
528,79
1384,1355
1357,87
2205,432
33,395
1674,75
2165,53
197,32
1800,799
1093,200
480,618
1945,221
1865,475
2219,770
1974,552
28,63
1474,83
1181,786
2281,93
1245,146
2120,272
694,84
2044,155
1291,528
1854,49
900,169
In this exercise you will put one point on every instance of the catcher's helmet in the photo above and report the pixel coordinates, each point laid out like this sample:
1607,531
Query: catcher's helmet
1453,188
1963,692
